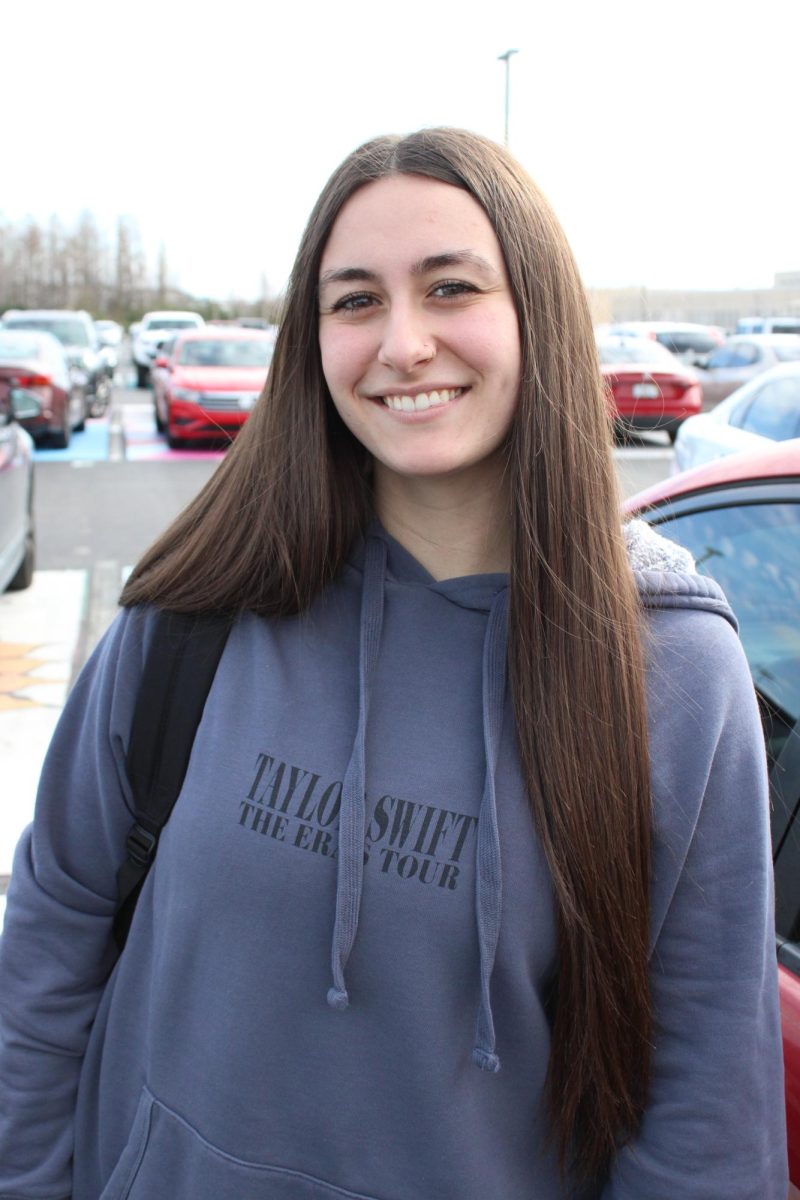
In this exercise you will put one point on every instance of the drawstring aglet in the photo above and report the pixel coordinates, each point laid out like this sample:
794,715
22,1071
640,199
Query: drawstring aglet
338,999
486,1060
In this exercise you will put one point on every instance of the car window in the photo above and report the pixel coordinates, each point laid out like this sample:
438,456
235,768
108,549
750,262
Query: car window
740,354
68,332
214,352
19,346
170,323
787,353
774,411
752,551
679,341
632,350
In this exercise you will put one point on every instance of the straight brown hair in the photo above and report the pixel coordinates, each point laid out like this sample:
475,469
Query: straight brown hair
275,523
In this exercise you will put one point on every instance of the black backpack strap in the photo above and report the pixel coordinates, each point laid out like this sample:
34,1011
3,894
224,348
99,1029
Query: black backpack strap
178,671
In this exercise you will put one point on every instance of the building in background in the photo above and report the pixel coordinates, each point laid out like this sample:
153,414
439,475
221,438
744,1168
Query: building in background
723,308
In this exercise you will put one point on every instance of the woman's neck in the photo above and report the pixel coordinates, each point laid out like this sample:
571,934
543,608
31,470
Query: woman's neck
453,527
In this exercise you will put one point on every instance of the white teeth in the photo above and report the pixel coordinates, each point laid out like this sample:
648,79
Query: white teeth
422,401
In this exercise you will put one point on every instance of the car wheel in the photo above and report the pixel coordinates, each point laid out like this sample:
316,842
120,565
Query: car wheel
174,443
61,438
672,434
101,399
142,376
24,576
80,427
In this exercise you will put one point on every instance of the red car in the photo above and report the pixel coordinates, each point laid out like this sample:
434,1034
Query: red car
36,363
210,381
647,387
740,517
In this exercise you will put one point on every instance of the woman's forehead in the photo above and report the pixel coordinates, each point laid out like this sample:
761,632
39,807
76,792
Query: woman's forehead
412,219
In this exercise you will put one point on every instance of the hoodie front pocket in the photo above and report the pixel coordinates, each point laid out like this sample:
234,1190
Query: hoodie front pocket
167,1159
123,1175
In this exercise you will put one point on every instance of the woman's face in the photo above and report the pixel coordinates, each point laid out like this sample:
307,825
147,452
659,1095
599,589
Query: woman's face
418,331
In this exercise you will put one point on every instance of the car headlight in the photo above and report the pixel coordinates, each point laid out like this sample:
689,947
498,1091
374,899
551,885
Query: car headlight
185,394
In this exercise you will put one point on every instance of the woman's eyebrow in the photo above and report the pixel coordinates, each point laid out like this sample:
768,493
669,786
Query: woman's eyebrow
425,266
349,275
453,258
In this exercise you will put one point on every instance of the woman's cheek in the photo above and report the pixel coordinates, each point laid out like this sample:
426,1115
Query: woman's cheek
345,357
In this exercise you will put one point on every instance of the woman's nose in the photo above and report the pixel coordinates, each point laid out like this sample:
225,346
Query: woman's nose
407,341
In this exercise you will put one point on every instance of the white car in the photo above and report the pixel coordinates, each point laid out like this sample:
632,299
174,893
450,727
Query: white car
761,412
153,328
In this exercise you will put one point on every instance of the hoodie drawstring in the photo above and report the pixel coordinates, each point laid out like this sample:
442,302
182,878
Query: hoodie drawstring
350,874
488,874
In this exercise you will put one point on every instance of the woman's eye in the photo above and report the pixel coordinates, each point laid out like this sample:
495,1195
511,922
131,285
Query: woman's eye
450,289
352,303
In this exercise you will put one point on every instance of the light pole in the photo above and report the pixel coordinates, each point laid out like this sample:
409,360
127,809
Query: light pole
506,58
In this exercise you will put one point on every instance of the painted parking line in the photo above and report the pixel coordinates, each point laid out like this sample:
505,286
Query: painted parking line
143,442
91,445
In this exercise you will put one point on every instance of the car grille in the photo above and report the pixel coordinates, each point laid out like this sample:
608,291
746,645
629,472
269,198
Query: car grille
226,401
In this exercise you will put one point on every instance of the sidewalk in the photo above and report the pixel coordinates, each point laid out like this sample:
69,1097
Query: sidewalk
39,634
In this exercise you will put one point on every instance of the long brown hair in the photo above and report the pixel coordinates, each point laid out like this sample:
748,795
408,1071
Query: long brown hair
274,524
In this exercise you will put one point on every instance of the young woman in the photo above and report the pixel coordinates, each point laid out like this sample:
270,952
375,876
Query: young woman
468,891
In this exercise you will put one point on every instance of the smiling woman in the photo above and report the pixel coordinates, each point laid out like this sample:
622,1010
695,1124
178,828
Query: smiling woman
467,893
423,360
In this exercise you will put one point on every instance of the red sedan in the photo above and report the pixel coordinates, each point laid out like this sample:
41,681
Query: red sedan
740,518
210,381
35,363
647,387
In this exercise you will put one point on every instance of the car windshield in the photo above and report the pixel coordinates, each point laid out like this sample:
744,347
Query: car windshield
736,354
69,333
214,352
788,353
170,323
18,346
632,350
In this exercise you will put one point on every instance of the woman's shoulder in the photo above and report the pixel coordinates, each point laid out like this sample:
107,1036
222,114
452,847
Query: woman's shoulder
690,628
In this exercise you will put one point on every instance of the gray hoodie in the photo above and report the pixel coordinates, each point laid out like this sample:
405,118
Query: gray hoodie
336,983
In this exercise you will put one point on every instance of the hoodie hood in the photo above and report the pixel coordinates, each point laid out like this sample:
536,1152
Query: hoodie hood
666,575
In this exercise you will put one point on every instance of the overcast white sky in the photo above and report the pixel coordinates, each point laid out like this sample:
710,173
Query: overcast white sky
665,133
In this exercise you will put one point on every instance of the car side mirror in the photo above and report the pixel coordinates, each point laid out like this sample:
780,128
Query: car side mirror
161,361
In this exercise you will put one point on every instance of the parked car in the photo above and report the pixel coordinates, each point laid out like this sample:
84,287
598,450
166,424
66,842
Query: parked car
17,531
110,335
740,518
648,387
152,328
742,357
159,377
691,343
765,410
215,376
37,363
768,325
76,332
